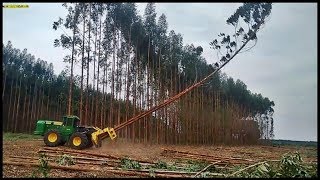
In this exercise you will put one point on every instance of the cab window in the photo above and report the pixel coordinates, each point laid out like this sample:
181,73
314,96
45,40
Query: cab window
65,121
75,123
69,122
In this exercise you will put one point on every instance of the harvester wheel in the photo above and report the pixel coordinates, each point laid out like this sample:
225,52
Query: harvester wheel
90,144
52,138
78,141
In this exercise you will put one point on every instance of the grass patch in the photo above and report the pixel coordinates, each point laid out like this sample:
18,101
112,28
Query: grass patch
19,136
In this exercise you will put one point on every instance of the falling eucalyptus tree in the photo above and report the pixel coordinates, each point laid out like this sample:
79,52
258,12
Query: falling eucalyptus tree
247,21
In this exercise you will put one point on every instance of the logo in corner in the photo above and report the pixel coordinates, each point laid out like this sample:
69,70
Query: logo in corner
15,6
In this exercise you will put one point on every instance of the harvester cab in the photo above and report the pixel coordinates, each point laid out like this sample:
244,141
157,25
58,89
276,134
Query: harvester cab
69,131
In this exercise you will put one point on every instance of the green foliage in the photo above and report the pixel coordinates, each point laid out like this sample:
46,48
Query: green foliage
195,166
44,168
65,160
129,164
290,166
19,136
161,165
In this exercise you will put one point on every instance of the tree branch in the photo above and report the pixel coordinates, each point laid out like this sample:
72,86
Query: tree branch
252,166
206,168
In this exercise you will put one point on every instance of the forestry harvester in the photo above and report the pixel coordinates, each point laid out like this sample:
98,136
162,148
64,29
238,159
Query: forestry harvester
69,131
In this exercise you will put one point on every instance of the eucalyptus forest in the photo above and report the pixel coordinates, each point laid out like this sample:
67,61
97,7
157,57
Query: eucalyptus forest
129,64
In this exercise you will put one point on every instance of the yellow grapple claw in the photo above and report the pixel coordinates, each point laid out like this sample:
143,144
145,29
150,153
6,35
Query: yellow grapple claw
99,132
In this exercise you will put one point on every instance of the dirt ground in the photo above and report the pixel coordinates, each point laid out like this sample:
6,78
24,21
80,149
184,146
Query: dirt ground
150,153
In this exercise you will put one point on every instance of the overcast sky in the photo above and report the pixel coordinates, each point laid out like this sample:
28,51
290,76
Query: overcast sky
282,66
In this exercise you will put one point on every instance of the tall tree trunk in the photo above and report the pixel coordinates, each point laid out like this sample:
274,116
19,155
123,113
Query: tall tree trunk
28,111
23,122
128,84
4,83
158,96
98,64
33,107
88,60
135,92
82,121
94,78
112,81
14,104
119,79
106,82
140,98
48,100
38,109
147,89
70,111
102,113
42,99
18,106
9,117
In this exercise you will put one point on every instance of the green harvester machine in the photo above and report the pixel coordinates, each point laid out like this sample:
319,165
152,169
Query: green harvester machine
57,133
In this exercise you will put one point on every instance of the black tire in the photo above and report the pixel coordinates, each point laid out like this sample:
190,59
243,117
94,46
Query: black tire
62,143
52,138
90,143
78,141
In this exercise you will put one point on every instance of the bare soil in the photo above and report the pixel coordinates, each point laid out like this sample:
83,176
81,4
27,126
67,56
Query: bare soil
143,153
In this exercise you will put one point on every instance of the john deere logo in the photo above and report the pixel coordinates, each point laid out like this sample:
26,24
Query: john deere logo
15,6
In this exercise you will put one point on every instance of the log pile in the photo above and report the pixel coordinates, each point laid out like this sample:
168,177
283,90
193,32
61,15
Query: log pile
93,162
223,161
